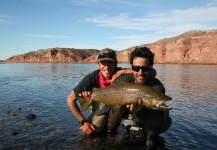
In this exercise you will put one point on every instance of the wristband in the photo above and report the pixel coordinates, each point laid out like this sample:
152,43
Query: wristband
82,121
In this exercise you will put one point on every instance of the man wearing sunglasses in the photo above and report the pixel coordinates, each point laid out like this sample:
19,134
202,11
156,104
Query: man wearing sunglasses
146,125
107,62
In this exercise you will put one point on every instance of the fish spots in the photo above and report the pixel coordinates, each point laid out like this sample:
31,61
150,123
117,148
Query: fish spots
128,93
132,90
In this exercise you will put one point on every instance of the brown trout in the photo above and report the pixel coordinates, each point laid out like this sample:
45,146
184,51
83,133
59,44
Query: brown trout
124,93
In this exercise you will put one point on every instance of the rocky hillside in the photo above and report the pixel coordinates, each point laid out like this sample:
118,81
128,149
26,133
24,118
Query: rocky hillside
193,47
56,55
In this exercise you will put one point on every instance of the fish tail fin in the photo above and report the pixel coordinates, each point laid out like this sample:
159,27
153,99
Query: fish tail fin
85,104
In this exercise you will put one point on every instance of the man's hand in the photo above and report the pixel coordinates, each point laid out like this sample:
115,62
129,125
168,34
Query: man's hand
85,94
116,75
88,128
132,107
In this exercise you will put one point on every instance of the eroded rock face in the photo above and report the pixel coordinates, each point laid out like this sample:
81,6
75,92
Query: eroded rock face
193,47
56,55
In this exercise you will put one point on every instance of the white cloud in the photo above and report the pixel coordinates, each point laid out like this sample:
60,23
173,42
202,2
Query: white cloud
29,46
47,36
83,2
107,3
213,3
132,40
181,19
193,15
84,46
5,19
135,40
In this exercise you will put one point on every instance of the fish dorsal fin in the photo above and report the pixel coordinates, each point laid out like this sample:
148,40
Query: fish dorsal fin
118,82
94,89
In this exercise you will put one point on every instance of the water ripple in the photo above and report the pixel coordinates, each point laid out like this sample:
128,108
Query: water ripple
42,89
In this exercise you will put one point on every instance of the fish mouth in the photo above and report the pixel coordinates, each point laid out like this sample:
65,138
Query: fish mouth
166,107
163,106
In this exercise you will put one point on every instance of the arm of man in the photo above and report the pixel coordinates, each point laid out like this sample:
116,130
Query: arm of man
71,101
128,71
121,72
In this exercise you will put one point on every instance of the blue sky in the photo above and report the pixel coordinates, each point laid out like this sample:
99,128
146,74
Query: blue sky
29,25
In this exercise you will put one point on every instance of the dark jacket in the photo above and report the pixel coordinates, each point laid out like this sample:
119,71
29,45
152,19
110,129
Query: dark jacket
156,120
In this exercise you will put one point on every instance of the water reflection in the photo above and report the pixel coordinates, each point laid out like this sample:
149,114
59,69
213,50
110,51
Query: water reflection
193,89
42,89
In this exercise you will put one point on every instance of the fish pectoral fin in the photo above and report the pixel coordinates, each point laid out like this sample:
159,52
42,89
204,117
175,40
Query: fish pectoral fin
85,104
103,110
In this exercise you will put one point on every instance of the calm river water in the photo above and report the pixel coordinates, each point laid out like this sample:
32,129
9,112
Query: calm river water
42,89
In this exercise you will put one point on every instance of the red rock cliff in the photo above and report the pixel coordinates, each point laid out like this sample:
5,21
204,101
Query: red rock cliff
54,55
193,47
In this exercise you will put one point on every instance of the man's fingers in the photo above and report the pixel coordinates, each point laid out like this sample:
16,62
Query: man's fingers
132,107
85,94
113,78
92,127
140,102
87,128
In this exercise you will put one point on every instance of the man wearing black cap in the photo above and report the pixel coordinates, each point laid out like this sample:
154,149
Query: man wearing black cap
100,78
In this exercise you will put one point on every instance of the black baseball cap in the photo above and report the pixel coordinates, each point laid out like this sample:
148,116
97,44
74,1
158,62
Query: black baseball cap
107,54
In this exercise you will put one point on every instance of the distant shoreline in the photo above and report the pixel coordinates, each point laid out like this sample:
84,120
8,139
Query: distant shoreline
96,63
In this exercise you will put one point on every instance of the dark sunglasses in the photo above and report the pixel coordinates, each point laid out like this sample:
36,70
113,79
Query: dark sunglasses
106,55
144,68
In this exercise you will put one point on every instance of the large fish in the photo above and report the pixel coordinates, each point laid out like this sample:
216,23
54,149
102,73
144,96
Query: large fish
124,93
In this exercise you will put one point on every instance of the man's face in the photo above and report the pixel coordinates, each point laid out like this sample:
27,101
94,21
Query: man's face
107,68
142,69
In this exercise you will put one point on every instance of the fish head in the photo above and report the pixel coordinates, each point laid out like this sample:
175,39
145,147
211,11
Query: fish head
156,104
